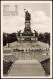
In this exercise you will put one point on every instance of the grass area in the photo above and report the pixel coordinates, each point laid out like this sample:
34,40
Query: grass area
6,66
46,66
10,58
14,45
7,50
40,56
28,45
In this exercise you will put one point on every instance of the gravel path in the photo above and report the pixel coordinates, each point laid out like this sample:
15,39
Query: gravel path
26,68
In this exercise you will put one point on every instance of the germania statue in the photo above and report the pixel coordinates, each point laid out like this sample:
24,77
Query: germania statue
27,16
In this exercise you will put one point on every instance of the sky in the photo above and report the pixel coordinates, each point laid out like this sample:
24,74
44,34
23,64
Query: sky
40,18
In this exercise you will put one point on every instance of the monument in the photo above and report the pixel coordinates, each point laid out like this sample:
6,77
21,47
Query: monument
27,35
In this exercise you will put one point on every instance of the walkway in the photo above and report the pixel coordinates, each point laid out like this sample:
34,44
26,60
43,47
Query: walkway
26,68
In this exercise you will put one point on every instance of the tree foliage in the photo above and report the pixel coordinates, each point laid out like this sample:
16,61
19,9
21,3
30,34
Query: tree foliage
9,38
44,37
41,37
47,38
4,39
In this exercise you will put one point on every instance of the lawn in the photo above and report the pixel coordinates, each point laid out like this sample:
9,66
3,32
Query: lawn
46,66
28,45
42,57
6,66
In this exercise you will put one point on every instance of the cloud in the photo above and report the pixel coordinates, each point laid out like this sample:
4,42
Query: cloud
12,24
39,21
39,17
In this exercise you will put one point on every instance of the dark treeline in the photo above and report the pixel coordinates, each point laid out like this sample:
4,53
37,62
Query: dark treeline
9,38
44,37
4,39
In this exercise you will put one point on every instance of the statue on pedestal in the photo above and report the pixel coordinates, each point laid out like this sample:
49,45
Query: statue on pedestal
27,16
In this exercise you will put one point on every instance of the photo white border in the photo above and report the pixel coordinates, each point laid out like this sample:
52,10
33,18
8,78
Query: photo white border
2,38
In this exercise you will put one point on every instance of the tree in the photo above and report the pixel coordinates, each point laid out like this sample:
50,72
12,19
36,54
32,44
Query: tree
47,38
4,39
11,37
44,37
41,37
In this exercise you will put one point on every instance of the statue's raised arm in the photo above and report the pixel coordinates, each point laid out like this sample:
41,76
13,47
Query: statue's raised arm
27,16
